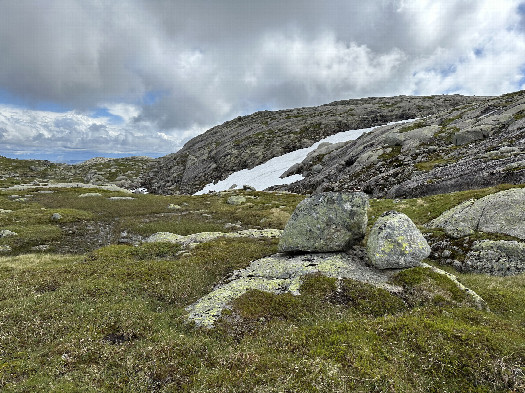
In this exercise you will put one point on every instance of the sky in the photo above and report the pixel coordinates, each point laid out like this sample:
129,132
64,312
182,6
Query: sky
85,78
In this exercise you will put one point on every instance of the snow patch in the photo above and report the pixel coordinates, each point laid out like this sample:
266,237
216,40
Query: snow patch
268,174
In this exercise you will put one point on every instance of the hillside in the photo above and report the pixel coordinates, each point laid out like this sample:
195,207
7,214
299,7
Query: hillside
248,141
469,146
121,172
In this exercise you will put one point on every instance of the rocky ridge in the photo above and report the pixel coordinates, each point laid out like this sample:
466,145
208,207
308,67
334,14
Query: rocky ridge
471,146
248,141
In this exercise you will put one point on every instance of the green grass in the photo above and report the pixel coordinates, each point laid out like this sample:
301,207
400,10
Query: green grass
114,319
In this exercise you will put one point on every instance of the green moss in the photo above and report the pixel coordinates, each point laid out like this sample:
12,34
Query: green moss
369,300
440,289
519,115
447,121
413,126
392,154
255,305
429,165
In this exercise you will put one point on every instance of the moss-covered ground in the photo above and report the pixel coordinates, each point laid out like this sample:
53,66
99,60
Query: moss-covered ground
111,318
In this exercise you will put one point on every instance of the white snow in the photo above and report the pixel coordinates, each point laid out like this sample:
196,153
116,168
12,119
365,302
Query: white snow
267,174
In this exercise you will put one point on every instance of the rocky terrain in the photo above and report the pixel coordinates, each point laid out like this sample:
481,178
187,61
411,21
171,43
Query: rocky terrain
244,290
121,172
248,141
456,143
469,146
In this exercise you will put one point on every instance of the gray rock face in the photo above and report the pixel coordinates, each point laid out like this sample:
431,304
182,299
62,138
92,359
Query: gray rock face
470,148
395,242
326,222
503,212
248,141
500,258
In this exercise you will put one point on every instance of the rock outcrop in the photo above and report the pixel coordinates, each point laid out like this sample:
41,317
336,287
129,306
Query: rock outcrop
326,222
470,146
248,141
283,273
395,242
503,213
500,258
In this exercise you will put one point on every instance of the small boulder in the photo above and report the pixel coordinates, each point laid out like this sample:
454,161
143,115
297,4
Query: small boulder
396,243
326,222
56,217
7,233
90,195
236,200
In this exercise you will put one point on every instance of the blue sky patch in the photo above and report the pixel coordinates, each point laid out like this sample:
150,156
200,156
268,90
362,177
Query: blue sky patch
104,112
151,97
7,98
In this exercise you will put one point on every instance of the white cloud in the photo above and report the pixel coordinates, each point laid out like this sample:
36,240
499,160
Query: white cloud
51,132
176,68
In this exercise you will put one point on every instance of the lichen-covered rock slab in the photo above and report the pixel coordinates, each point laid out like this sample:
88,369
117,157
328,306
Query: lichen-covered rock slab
500,258
503,212
282,273
202,237
395,242
326,222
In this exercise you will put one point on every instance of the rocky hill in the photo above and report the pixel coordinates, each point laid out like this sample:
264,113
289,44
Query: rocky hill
248,141
465,147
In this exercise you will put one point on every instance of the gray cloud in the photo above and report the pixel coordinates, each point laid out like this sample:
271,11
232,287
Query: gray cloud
213,60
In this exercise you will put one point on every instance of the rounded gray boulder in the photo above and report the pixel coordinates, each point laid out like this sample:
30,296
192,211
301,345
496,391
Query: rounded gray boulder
395,242
502,212
326,222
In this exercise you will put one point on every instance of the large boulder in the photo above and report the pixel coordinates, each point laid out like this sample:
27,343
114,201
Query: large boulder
326,222
499,258
395,242
503,212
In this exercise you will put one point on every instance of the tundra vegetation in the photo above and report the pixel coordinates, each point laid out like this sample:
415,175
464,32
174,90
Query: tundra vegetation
86,306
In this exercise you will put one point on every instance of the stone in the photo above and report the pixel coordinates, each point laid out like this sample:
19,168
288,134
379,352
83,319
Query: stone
283,273
473,134
90,194
247,187
395,242
120,198
236,200
499,258
174,207
56,217
7,233
502,212
326,222
202,237
5,248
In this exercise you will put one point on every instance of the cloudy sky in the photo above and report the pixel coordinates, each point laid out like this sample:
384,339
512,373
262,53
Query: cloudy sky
81,78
